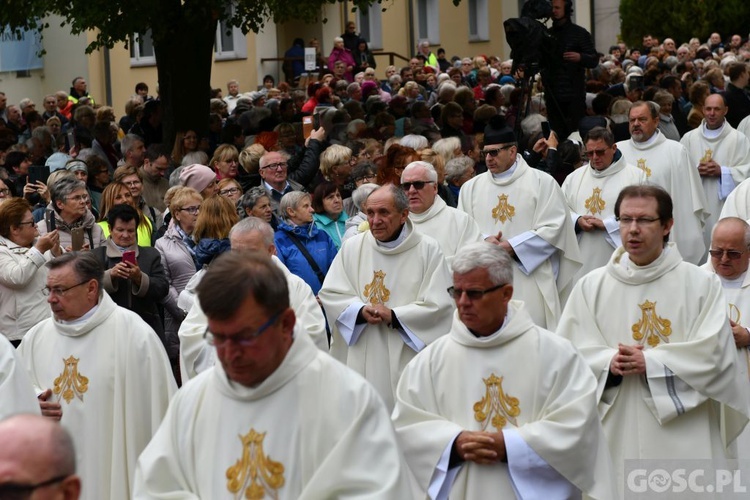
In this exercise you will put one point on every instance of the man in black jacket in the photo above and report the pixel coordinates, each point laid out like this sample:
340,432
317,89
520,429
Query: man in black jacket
737,98
566,83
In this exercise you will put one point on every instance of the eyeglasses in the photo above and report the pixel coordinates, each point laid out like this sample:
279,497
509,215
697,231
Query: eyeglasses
60,292
239,341
368,178
731,254
81,197
229,191
418,185
596,152
190,210
456,293
639,221
276,166
30,223
11,491
494,152
132,183
5,192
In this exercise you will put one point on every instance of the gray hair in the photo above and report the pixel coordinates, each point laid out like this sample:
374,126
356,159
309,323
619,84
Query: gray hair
735,220
291,200
532,124
249,199
360,194
128,142
251,224
400,200
414,141
64,187
653,108
264,159
446,147
85,266
483,255
431,173
193,157
457,167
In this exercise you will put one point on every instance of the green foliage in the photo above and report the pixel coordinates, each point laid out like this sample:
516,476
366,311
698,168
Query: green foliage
682,19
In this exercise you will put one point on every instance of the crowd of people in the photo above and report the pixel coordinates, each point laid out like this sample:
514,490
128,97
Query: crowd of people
514,299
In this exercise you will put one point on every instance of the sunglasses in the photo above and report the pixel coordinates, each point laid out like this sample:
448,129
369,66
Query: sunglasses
418,185
494,152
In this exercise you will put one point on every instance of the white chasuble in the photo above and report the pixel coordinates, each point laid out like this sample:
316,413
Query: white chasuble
528,205
523,381
592,192
667,164
731,150
411,279
17,394
313,430
737,203
693,400
111,375
450,227
744,126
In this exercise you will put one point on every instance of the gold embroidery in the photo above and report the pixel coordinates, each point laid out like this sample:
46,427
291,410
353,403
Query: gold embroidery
707,156
504,210
651,327
595,204
642,166
734,313
496,407
265,475
70,383
376,292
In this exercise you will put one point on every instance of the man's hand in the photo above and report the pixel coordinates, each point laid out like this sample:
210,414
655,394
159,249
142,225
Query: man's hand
506,246
384,313
371,315
709,169
480,447
590,223
318,134
495,240
49,409
741,335
572,57
629,360
540,146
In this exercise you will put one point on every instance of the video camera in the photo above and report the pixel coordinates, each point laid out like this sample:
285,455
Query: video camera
531,44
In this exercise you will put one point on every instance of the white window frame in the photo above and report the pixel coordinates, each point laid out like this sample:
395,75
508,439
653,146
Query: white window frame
428,11
373,19
479,10
239,51
136,59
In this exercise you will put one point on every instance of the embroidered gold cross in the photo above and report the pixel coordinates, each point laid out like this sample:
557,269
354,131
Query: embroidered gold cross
595,204
642,166
651,327
376,292
496,407
264,475
504,210
70,383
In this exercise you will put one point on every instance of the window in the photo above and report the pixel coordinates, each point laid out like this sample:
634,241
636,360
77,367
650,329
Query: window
428,21
230,41
478,25
370,26
142,49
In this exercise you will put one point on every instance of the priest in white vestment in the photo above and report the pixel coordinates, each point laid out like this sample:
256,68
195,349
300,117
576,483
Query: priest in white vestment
591,192
17,395
525,209
654,331
499,407
385,293
737,203
104,369
666,163
430,215
744,126
249,234
276,417
721,155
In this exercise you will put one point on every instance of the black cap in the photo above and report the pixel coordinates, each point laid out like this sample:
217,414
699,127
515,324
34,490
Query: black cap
497,132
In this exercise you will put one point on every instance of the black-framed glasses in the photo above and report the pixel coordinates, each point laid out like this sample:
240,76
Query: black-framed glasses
596,152
244,340
639,221
731,254
275,166
366,178
30,223
456,293
60,292
12,491
191,210
229,191
494,152
418,185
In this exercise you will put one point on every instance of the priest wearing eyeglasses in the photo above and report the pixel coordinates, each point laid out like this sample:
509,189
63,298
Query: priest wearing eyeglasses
451,228
524,210
499,407
276,417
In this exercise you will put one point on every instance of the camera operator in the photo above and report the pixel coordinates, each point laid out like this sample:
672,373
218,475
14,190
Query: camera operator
566,82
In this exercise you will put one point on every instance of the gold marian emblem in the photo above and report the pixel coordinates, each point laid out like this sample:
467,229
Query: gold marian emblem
504,210
595,204
651,327
376,292
642,166
496,407
264,475
707,156
70,383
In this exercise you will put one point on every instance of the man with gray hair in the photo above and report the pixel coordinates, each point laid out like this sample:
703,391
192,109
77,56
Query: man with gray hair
256,235
666,163
383,294
133,151
274,171
484,413
37,460
430,215
100,370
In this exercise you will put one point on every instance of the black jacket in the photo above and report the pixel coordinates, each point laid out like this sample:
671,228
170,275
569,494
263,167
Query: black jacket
567,81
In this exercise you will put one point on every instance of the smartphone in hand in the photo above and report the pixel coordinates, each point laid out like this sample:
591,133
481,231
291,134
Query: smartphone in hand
129,257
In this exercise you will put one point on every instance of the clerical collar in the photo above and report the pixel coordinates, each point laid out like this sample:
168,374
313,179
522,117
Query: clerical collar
712,133
507,173
498,332
651,140
655,263
82,319
733,283
404,232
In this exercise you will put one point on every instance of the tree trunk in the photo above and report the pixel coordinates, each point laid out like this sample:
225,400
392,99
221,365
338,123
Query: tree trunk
183,60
